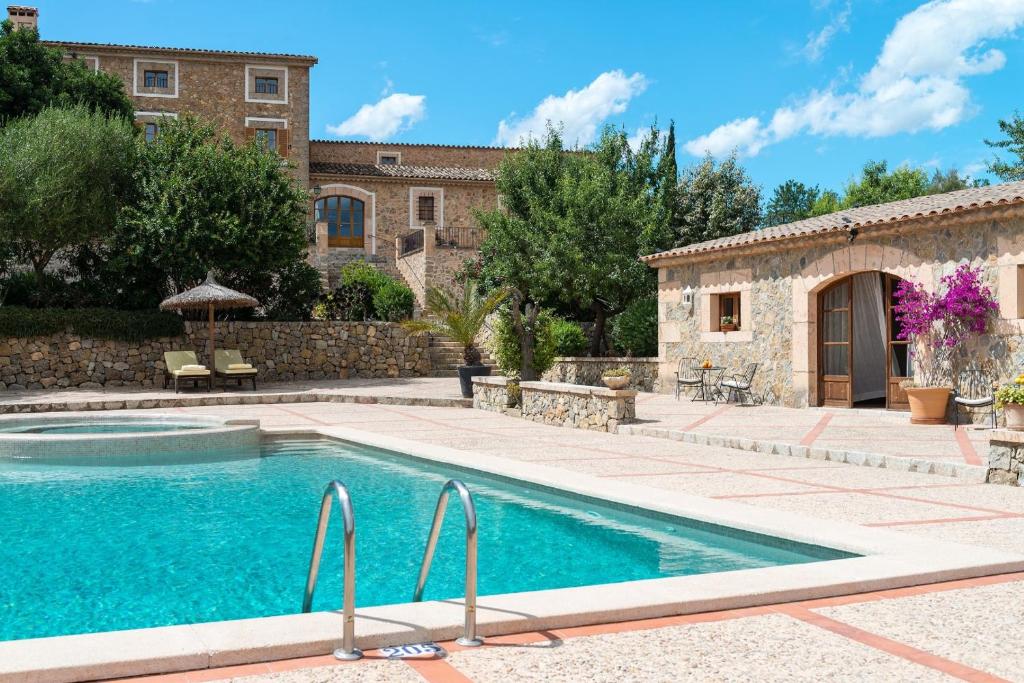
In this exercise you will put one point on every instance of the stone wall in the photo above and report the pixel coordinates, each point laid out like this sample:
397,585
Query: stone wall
1006,457
351,152
492,393
433,266
282,351
581,407
585,370
778,287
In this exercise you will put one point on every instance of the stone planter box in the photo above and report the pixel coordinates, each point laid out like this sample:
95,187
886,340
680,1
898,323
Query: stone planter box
573,405
585,370
1006,457
491,393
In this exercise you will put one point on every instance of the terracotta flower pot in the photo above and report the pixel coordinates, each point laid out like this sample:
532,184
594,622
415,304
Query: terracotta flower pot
616,382
928,405
1014,416
727,327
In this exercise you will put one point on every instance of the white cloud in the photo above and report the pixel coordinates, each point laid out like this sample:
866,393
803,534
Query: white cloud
579,112
640,134
816,43
384,119
917,82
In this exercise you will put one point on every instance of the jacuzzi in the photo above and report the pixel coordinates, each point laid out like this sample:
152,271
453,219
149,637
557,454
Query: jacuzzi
82,438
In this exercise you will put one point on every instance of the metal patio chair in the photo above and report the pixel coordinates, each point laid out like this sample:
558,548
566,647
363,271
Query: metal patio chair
739,384
971,402
688,376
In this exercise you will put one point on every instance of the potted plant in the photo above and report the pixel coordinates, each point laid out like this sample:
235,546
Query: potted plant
727,324
616,378
940,325
461,320
1011,399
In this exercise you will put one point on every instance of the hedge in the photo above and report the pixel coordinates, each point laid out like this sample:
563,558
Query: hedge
95,323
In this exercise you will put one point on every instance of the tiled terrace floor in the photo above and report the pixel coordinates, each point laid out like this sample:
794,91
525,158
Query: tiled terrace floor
865,430
970,630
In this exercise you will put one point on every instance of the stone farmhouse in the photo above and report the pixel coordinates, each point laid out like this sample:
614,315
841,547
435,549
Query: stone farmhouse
811,301
406,208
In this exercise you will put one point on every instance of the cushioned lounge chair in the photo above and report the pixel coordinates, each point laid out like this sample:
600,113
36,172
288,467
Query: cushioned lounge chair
228,364
183,366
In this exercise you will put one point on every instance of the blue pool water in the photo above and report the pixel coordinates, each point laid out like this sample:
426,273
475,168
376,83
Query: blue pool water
105,548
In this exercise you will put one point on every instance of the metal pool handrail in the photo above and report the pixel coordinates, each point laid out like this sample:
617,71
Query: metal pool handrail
469,637
348,649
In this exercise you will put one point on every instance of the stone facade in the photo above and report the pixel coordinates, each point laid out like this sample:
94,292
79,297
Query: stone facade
282,351
778,286
433,266
456,156
572,405
217,86
587,371
1006,458
492,393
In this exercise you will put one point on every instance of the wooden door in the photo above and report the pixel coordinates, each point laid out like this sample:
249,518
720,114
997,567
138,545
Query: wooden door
898,366
835,348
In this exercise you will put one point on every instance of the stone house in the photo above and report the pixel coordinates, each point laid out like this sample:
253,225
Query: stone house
812,301
366,201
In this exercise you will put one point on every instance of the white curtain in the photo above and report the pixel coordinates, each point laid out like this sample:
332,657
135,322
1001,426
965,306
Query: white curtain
869,346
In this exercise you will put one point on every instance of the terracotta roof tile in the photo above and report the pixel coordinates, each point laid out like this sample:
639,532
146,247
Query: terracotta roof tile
396,171
412,144
864,216
75,45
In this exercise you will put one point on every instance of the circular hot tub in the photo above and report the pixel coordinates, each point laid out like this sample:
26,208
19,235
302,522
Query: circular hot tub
124,439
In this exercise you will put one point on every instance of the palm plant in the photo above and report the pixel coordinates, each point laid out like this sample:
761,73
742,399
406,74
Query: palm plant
459,318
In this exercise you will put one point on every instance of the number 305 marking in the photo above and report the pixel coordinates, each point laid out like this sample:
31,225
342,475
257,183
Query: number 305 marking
413,650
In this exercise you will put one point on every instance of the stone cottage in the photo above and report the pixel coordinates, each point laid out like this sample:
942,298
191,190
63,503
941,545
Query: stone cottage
811,301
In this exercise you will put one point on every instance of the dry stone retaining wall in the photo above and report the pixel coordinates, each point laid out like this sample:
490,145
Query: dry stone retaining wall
573,405
282,351
587,371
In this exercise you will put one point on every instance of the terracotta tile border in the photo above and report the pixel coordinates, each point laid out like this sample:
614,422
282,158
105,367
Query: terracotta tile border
707,418
971,456
912,654
817,429
437,671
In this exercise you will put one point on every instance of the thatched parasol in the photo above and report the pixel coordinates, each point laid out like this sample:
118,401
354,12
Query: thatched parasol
209,295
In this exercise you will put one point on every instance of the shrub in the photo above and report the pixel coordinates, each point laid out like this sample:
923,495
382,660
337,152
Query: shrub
393,301
507,353
617,372
367,293
295,292
568,337
635,332
96,323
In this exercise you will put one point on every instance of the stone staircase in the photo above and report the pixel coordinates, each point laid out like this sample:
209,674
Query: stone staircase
446,356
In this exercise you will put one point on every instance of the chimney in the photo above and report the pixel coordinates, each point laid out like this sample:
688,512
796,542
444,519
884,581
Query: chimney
23,17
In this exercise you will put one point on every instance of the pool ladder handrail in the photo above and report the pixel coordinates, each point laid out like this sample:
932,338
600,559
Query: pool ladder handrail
348,650
469,637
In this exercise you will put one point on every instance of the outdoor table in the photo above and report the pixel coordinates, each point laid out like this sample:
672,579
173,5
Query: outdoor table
707,388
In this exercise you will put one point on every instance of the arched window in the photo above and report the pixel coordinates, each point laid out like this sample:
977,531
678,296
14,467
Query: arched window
344,218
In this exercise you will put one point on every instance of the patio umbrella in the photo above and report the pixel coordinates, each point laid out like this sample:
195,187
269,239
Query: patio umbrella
209,295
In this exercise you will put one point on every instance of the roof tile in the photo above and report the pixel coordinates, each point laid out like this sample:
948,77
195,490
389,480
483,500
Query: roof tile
877,214
395,171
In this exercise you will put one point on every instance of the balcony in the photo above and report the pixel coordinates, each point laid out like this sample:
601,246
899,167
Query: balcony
446,237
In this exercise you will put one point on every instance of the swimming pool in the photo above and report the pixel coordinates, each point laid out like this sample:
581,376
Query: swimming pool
101,548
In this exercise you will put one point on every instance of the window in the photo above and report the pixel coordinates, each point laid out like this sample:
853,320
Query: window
266,85
425,208
151,131
729,311
389,160
344,218
267,138
154,79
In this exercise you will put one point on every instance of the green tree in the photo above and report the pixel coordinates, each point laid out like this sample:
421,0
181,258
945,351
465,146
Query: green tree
1013,169
56,195
203,204
877,185
827,202
34,76
791,201
715,200
951,180
571,230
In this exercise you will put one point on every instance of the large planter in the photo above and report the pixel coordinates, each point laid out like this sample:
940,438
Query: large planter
466,375
928,404
1014,413
616,382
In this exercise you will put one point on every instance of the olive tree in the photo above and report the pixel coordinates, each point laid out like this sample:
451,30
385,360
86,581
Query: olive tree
63,176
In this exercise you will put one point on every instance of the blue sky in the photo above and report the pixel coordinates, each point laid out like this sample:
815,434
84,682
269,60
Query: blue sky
806,89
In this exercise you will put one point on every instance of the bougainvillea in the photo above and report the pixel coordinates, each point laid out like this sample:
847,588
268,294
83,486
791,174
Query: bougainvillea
941,323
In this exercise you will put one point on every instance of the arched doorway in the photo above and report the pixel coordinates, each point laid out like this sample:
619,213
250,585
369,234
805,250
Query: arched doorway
861,361
344,217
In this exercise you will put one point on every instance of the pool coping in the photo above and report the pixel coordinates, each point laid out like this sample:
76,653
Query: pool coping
890,560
